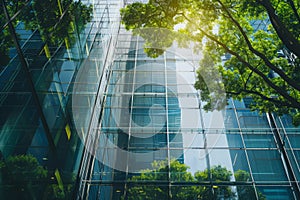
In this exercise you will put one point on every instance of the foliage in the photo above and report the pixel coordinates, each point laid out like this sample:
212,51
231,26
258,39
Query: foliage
215,174
5,41
246,192
242,40
24,178
55,20
23,169
54,191
159,176
154,184
22,175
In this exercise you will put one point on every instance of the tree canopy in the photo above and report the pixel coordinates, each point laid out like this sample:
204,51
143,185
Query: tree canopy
189,186
22,177
253,44
55,21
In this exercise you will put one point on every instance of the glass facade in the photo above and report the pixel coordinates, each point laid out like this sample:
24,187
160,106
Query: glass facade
44,46
86,114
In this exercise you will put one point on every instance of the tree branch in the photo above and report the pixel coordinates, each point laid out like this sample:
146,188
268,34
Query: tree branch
281,73
284,34
248,79
273,100
294,9
259,73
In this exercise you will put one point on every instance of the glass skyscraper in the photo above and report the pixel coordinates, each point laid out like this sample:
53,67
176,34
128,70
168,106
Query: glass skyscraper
86,114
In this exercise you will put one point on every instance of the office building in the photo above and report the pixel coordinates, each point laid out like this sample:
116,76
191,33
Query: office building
89,110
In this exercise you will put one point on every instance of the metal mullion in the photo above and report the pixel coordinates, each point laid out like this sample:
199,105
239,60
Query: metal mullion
92,158
86,158
245,148
291,148
284,157
203,129
204,132
15,15
131,110
25,68
91,163
167,126
186,183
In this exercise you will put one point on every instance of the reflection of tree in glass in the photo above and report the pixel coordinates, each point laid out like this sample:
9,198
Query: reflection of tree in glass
159,178
6,43
218,174
63,192
5,40
246,192
56,19
159,175
22,176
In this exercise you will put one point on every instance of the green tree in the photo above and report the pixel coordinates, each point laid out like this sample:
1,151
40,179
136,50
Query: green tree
56,20
22,177
227,27
5,40
215,174
246,192
154,184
